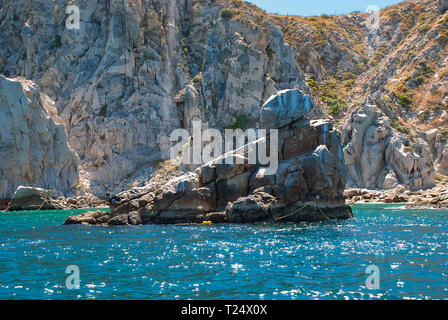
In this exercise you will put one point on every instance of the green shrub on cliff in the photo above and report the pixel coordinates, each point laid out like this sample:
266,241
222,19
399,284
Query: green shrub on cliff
400,127
270,52
58,41
404,100
329,94
227,13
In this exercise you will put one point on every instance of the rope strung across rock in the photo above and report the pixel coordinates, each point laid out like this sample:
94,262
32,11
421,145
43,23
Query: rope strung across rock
312,204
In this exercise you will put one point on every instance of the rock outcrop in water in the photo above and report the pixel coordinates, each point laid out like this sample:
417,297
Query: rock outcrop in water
34,149
436,197
377,157
308,185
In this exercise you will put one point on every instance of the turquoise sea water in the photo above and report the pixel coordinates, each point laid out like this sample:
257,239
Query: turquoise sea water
325,260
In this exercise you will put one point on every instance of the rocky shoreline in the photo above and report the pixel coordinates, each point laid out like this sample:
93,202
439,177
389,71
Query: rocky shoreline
434,198
31,199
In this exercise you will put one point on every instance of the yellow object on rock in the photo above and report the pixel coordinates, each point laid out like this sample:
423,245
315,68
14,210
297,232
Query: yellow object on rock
207,222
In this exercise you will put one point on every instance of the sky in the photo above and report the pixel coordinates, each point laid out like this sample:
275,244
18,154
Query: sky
318,7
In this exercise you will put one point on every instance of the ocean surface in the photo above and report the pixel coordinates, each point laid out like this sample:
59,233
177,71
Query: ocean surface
325,260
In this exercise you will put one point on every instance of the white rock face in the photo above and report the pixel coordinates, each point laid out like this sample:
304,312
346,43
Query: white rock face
34,149
29,198
442,165
377,157
24,192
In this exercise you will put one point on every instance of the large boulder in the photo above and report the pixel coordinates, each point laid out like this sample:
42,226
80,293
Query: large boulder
284,108
91,217
308,185
253,208
378,157
29,198
34,149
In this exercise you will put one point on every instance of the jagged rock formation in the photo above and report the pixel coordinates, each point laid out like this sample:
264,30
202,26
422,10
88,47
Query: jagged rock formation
308,185
34,149
378,157
400,63
437,140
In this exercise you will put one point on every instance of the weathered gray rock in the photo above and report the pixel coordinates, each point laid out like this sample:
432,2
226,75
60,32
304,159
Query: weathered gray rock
134,218
136,70
284,108
436,197
120,220
28,198
439,145
80,202
253,208
442,165
379,157
34,149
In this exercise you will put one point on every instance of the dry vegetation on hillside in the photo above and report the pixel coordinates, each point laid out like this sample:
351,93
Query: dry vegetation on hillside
402,66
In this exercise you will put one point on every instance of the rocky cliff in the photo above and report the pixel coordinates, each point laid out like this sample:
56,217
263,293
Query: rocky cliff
136,70
395,62
34,149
